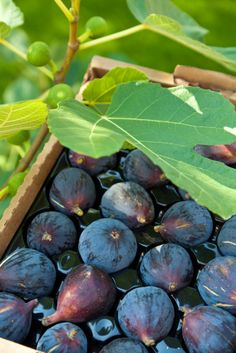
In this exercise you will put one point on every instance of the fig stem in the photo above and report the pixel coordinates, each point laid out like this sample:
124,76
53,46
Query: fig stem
78,211
149,341
141,219
158,228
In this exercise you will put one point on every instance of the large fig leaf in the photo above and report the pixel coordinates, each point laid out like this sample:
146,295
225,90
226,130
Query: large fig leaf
10,17
157,18
21,116
165,124
141,9
100,90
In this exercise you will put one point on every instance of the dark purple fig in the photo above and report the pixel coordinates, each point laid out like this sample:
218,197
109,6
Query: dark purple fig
186,223
217,283
52,233
15,317
72,191
108,244
146,314
207,329
63,338
122,345
27,273
222,153
226,239
167,266
92,166
141,170
129,203
87,293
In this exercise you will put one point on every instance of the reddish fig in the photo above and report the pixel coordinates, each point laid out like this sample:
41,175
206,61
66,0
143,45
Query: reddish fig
27,273
217,283
92,166
15,317
122,345
128,202
208,329
186,223
221,153
87,292
140,169
167,266
63,338
72,191
146,314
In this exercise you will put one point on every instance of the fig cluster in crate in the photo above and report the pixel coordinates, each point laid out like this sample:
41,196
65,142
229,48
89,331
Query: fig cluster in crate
115,258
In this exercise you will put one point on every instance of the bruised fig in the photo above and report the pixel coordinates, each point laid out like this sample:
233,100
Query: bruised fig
63,338
92,166
108,244
146,314
15,317
221,153
141,170
186,223
27,273
226,239
52,233
208,329
128,202
72,191
217,283
87,293
167,266
120,345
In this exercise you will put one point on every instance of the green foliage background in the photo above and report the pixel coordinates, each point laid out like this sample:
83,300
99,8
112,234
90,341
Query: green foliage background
44,21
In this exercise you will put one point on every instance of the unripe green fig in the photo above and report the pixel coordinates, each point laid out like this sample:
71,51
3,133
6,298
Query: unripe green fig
59,93
96,26
38,54
19,138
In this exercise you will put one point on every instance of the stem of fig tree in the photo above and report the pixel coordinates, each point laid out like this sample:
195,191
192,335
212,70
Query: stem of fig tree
22,55
73,43
114,36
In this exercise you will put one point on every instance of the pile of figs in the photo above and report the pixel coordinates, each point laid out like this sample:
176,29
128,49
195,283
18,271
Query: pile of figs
114,258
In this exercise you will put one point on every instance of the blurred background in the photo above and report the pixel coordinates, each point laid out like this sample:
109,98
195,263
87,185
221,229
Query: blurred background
45,22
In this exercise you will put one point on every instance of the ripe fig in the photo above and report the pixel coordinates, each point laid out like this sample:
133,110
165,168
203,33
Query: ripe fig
226,239
128,202
27,273
87,292
72,191
51,232
108,244
208,329
146,314
141,170
120,345
15,317
63,338
217,283
92,166
167,266
222,153
186,223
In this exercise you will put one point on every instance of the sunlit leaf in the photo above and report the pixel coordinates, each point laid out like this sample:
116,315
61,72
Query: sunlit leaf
4,30
165,124
21,116
101,90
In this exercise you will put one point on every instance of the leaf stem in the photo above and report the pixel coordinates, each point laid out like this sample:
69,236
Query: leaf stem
65,10
84,36
73,43
22,55
114,36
